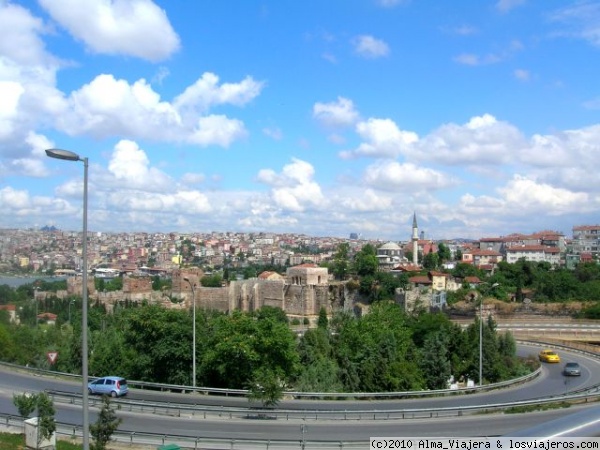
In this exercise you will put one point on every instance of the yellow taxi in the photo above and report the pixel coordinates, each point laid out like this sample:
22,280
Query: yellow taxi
549,356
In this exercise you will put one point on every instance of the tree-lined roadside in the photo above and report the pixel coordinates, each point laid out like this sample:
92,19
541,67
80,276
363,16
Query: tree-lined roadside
384,350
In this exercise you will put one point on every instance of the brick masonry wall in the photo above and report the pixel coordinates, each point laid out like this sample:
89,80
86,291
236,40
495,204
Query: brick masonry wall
137,285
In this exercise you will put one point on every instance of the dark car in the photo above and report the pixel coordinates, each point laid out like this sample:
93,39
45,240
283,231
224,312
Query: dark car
113,386
572,369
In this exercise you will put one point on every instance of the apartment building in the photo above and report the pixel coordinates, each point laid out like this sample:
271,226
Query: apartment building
479,257
586,239
534,253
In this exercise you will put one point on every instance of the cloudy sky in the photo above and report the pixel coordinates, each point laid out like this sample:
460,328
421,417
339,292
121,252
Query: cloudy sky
315,117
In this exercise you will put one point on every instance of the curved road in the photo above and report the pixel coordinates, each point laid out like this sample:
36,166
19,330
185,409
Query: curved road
550,383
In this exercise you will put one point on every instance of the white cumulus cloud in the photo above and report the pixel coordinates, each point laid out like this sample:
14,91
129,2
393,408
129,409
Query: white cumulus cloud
370,47
382,139
136,28
394,176
112,107
339,113
294,188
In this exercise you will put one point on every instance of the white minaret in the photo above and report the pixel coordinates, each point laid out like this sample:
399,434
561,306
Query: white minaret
415,240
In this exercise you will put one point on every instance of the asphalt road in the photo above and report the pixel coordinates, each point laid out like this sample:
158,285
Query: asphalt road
551,382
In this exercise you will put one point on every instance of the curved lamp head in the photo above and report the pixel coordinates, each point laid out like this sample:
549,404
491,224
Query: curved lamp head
62,154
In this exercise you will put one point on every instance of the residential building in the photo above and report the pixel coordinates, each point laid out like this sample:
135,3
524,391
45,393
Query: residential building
533,253
586,239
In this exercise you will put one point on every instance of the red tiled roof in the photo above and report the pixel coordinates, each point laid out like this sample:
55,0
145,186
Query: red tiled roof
266,274
420,279
433,273
408,268
533,248
586,228
477,252
47,316
472,280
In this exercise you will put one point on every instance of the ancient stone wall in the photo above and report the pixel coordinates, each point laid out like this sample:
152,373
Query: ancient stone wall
213,298
137,285
413,298
245,295
75,286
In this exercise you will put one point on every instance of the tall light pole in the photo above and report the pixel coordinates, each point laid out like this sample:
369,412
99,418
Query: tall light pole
70,156
193,331
70,303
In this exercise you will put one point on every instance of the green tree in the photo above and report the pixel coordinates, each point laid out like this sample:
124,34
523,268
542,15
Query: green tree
214,280
558,285
435,360
8,347
320,376
272,312
238,345
341,264
431,261
463,270
365,261
250,272
458,255
160,340
105,426
46,422
7,294
584,272
266,386
323,321
443,253
25,403
376,353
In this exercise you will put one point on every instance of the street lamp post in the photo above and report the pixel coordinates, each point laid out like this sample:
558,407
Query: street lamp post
70,303
193,331
70,156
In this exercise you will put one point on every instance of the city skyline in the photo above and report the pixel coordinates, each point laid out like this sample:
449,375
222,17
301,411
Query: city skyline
316,118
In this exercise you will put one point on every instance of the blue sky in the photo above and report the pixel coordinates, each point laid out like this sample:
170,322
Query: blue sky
322,117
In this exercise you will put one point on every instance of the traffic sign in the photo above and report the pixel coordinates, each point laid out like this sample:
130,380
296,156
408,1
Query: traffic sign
52,357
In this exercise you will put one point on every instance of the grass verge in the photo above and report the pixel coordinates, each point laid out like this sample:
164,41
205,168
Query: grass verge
16,441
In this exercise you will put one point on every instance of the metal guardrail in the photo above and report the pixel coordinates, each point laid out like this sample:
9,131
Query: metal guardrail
588,394
297,394
152,440
585,395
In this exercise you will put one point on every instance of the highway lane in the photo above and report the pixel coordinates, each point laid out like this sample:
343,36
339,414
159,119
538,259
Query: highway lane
463,426
551,382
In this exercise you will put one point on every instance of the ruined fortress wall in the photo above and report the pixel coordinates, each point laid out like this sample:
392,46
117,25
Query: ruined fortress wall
244,295
213,298
271,293
250,295
137,285
306,300
412,298
75,286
